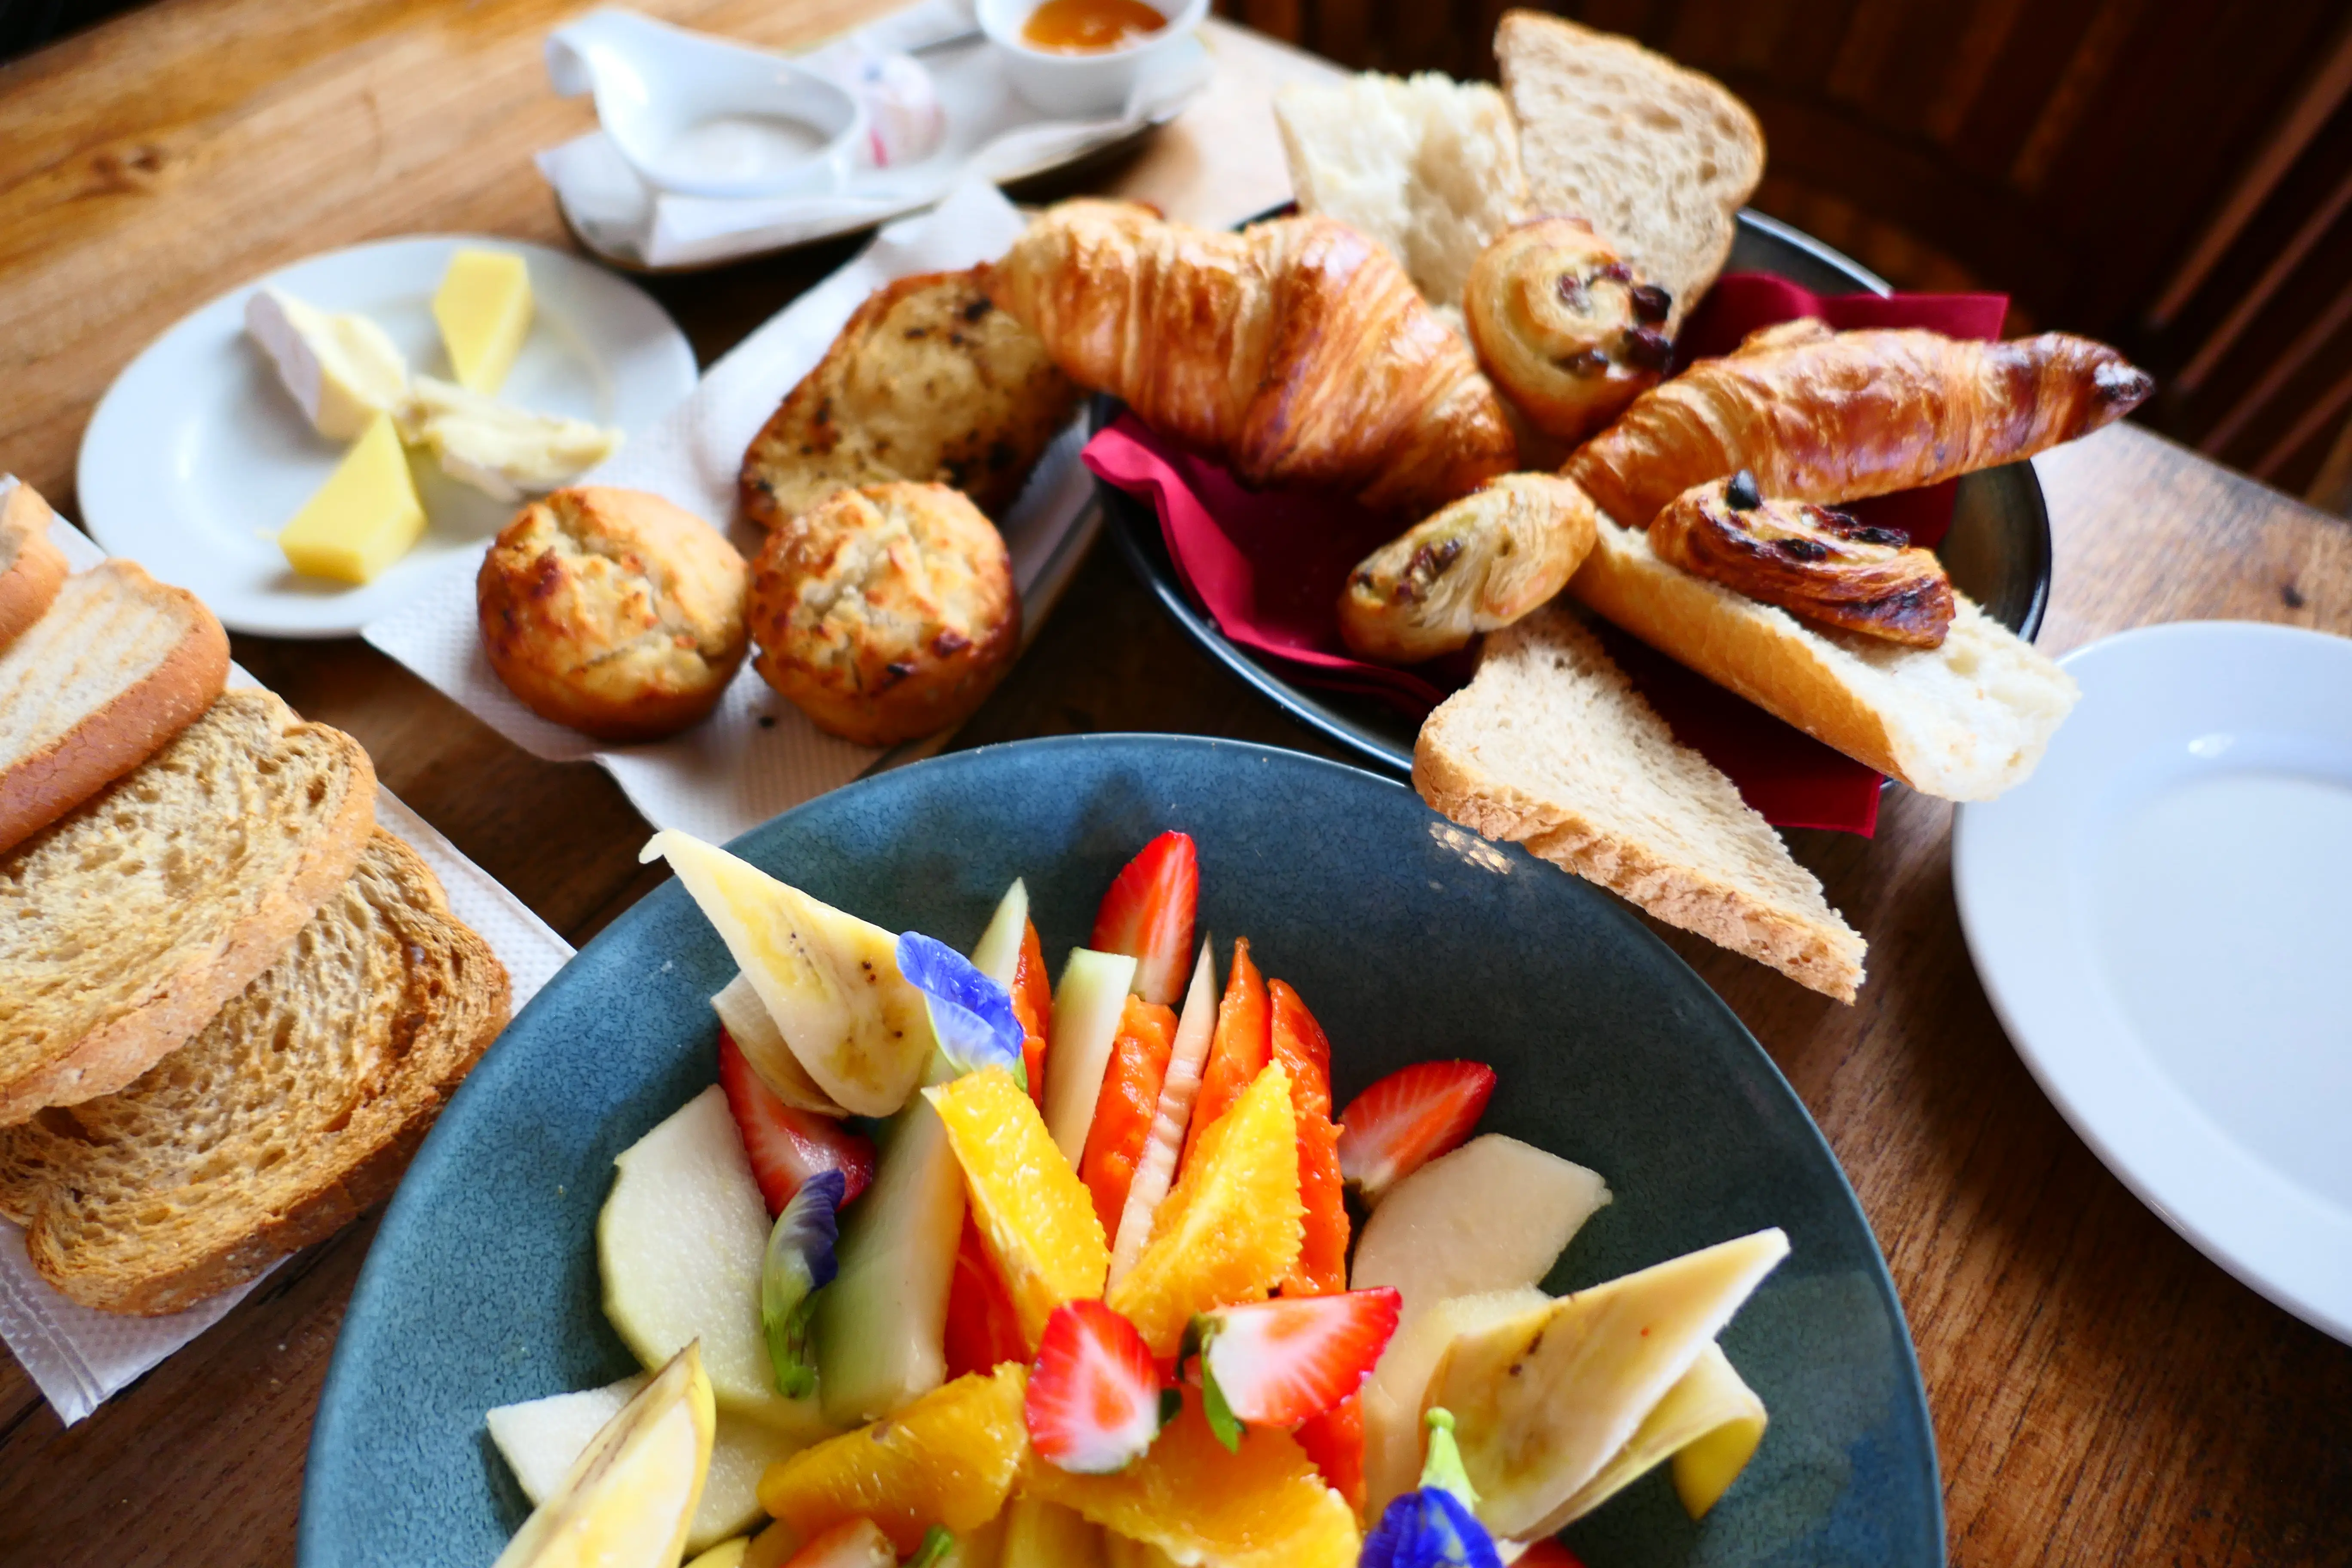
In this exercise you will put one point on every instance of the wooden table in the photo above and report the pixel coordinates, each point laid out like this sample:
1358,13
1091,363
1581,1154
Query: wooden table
2102,1393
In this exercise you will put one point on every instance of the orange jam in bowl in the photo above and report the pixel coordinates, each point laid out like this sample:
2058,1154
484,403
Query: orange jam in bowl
1089,26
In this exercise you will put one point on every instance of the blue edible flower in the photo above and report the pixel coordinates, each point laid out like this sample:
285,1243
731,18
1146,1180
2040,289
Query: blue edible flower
799,1263
970,1014
1433,1527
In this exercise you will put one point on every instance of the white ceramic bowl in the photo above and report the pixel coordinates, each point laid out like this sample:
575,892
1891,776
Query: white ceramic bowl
1088,86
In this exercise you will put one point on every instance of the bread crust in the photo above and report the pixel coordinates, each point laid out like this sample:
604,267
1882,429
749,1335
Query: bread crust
114,1054
1791,670
887,613
31,569
612,612
465,996
140,722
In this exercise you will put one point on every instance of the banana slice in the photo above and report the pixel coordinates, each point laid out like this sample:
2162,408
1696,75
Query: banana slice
829,981
1710,1423
1543,1402
629,1500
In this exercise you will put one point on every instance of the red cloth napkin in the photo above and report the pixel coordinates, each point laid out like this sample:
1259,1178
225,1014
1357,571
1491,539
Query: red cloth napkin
1268,565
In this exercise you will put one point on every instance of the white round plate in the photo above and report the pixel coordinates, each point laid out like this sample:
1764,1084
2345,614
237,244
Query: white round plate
197,456
2162,916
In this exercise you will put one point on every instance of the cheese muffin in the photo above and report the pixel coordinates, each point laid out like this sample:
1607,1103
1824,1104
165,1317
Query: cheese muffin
885,612
612,612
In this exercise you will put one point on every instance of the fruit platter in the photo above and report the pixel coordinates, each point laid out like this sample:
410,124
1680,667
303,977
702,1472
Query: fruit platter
1305,1207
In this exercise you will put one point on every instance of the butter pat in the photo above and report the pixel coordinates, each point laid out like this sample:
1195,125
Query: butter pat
483,307
505,453
364,518
340,369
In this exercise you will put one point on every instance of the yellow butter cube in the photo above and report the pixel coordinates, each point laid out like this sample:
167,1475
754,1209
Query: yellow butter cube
483,307
364,518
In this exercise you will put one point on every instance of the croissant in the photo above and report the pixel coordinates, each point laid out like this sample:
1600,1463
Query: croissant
1810,560
1562,327
1480,563
1296,352
1835,416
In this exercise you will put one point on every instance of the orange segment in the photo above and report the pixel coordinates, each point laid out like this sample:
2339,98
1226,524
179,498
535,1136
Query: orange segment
1263,1507
1036,1217
1230,1230
950,1459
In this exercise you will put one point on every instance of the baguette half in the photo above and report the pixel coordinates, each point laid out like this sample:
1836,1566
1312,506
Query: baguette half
297,1108
127,925
1963,722
31,567
1550,746
118,664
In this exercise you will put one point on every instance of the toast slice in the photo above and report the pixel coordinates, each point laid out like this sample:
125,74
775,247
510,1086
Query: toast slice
1657,158
1965,721
31,568
1426,166
127,925
118,666
928,382
297,1108
1550,746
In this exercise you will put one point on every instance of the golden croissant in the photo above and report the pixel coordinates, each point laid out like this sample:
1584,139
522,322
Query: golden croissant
1297,351
1835,416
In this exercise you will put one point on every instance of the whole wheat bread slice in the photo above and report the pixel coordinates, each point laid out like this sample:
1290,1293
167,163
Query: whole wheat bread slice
118,666
295,1108
1426,166
1550,746
127,925
1658,158
31,567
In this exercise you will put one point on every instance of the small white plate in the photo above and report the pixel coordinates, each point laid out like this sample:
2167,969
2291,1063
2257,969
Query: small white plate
196,457
2162,916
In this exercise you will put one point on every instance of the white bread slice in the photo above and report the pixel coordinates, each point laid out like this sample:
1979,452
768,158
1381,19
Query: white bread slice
31,567
1426,166
297,1108
127,925
118,666
1550,746
1659,159
1963,722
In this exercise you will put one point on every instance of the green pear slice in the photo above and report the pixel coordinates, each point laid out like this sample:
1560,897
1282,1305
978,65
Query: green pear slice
629,1500
829,980
541,1438
1440,1232
745,1017
1544,1401
679,1243
997,954
1087,1007
1041,1534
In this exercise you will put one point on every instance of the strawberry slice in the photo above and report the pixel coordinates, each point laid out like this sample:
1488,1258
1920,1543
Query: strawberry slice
1335,1441
1148,916
788,1146
1033,1004
1094,1403
1279,1362
984,1328
1408,1119
1550,1553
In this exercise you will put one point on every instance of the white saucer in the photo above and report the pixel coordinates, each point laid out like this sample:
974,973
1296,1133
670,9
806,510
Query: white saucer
196,455
2162,916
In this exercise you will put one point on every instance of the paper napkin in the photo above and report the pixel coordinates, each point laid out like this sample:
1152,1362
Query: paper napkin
756,755
993,137
1268,566
81,1358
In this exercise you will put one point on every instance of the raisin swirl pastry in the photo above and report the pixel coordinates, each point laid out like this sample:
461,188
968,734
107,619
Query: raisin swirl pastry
1560,323
1478,564
1812,562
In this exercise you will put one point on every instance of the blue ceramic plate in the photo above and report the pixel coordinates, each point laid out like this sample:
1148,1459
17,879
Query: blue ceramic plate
1410,937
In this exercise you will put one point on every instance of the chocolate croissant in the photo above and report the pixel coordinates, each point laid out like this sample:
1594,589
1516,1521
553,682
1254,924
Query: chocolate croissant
1821,565
1297,351
1563,327
1480,563
1836,417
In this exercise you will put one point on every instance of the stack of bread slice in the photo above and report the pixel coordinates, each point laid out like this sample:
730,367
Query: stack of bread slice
230,1005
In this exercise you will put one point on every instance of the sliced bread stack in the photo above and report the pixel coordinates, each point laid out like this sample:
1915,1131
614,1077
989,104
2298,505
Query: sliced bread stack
1551,746
31,568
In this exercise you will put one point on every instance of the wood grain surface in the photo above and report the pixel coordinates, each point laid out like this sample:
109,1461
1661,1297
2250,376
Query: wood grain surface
2101,1392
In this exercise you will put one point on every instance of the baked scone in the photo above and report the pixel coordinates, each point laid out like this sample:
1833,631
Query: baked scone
612,612
928,382
886,612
